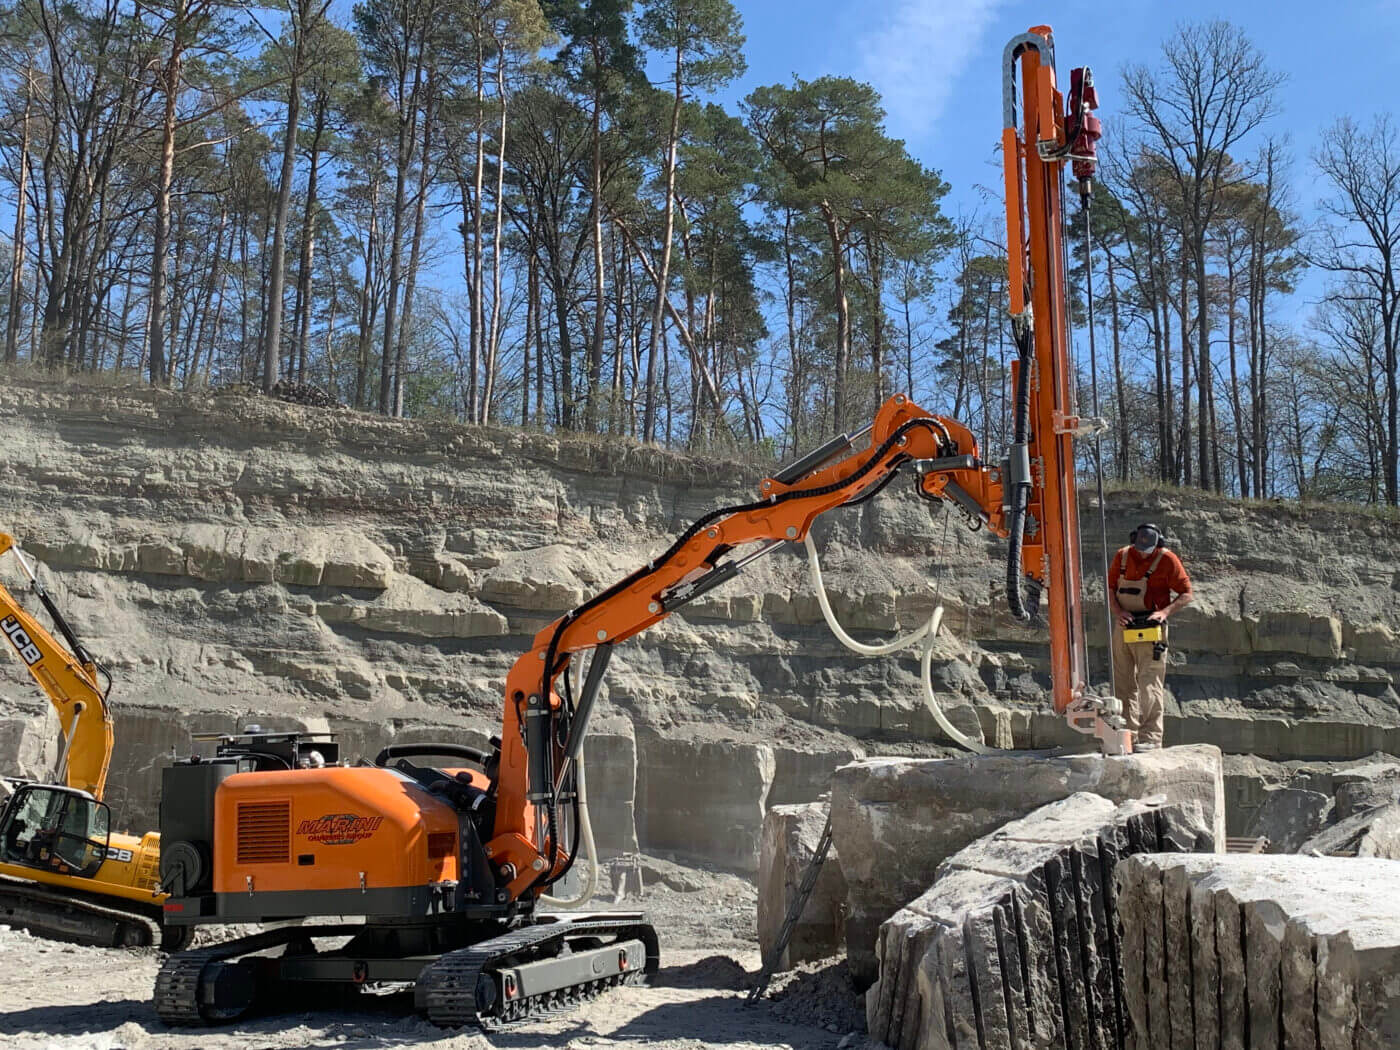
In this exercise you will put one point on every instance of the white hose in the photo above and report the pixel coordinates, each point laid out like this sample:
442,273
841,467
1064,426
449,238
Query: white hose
927,634
589,849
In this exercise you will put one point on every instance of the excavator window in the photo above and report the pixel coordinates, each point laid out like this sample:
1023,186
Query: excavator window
55,829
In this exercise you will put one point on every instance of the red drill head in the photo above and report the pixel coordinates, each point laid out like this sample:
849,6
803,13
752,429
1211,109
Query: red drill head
1086,127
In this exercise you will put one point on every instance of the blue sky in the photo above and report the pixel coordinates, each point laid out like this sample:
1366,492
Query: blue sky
937,64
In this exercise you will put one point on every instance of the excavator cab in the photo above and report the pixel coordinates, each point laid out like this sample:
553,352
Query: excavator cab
55,829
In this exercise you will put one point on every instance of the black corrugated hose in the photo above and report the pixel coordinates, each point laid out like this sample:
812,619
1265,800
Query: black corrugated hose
1020,488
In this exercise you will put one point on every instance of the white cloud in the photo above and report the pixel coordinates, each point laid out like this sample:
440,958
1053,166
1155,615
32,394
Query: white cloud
915,54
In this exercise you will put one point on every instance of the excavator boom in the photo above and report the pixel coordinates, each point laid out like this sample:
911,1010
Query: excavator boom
68,677
63,872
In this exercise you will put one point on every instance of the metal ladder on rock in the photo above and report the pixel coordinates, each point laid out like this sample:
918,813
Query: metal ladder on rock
794,912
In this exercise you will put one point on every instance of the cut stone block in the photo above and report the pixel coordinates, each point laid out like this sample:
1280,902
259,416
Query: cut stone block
804,775
610,750
1289,817
1366,786
896,819
702,799
1370,833
1305,952
1013,945
790,838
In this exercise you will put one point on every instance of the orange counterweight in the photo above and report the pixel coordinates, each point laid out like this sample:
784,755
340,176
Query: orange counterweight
328,829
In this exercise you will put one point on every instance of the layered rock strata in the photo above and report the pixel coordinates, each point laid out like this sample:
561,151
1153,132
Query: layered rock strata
1014,946
895,820
1259,952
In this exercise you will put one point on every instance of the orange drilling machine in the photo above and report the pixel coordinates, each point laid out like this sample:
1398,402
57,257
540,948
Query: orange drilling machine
447,863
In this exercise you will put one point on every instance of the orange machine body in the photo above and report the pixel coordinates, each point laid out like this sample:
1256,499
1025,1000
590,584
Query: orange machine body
326,829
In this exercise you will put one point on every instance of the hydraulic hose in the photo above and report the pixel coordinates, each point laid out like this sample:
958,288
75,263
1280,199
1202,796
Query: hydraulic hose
589,847
927,634
1019,480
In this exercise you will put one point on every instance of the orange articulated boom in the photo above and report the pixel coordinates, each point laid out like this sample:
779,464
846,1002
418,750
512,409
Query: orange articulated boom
533,760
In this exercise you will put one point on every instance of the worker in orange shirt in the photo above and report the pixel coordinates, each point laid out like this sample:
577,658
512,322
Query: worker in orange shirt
1146,584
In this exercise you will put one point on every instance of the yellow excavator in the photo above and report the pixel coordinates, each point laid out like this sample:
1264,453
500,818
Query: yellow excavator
63,872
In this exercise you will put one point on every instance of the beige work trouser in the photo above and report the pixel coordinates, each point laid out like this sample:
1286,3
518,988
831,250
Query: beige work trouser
1140,682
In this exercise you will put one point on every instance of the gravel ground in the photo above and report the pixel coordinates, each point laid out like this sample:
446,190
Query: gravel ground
67,997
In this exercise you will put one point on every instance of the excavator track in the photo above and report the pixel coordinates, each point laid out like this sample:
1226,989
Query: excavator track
458,988
462,987
75,919
180,998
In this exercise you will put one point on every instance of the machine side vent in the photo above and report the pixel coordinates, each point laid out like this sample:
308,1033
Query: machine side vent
264,832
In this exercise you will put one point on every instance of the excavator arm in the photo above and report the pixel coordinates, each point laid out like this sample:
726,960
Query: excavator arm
1027,498
70,677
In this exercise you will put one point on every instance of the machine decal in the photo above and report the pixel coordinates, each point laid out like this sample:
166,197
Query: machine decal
123,856
339,829
28,651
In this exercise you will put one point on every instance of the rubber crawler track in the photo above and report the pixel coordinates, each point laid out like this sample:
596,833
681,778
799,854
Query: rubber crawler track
448,986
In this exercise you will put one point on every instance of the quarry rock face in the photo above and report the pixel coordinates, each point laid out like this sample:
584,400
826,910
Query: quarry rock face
231,555
1014,944
791,835
1286,952
704,801
895,820
610,753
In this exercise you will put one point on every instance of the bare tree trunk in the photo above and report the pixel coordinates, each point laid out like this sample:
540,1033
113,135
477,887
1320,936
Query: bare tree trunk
215,282
843,313
493,335
17,258
388,378
669,228
308,241
1235,403
170,80
531,290
877,318
272,339
416,248
595,353
474,288
1119,381
1185,466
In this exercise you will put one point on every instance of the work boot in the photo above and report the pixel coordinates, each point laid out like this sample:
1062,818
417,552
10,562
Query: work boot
1146,746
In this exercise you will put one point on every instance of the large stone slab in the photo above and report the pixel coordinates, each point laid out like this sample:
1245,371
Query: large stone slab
803,774
791,835
1289,817
1013,945
703,800
610,751
1370,833
895,820
1303,952
1366,785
